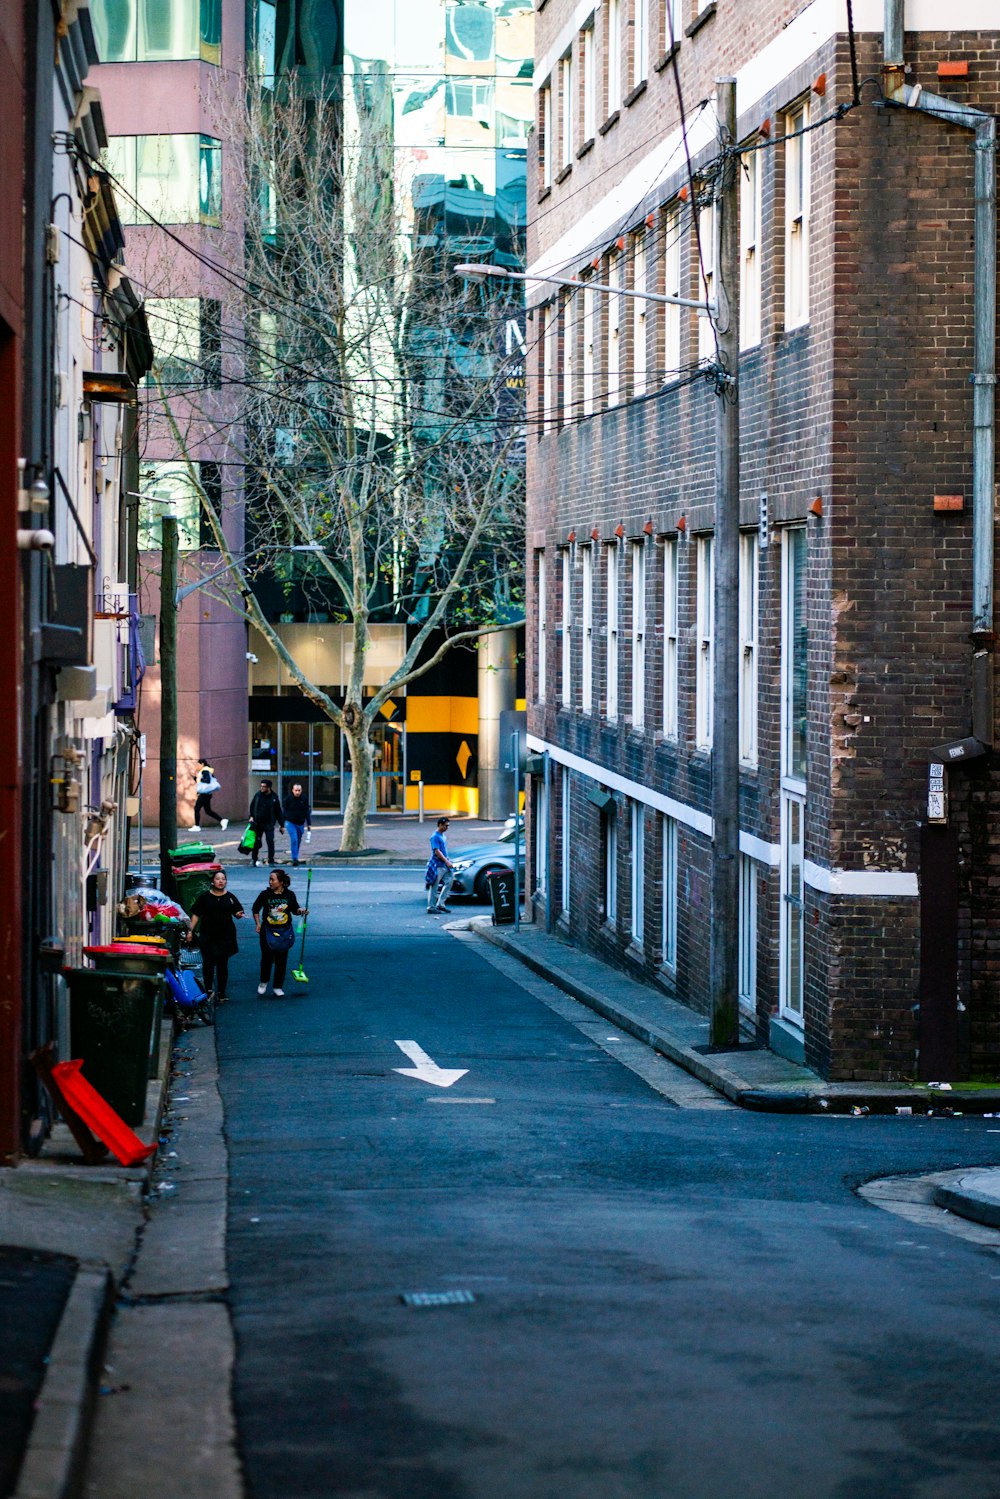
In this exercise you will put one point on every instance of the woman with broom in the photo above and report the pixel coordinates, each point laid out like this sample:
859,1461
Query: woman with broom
272,913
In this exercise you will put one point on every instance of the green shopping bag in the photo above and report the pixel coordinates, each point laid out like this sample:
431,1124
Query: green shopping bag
249,840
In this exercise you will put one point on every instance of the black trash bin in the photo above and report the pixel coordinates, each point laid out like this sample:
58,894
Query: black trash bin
112,1025
501,883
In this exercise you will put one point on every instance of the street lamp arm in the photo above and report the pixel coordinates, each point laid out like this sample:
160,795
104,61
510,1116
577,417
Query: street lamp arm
498,273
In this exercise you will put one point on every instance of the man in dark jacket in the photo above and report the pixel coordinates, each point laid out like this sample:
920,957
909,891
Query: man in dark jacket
265,816
298,818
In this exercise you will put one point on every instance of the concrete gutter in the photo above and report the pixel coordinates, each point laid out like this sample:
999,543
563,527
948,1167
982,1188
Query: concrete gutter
974,1195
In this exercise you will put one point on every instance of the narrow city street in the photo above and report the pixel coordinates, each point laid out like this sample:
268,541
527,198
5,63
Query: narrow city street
647,1293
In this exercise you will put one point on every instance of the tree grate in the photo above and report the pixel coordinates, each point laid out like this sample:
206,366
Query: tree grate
437,1298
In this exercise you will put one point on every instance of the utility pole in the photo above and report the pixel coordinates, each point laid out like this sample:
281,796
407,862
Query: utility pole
724,972
168,698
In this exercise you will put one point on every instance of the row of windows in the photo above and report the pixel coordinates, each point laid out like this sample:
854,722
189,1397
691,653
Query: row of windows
577,641
157,30
575,99
600,347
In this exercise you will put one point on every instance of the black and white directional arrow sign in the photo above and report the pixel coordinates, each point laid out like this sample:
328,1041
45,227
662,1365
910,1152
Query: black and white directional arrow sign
426,1071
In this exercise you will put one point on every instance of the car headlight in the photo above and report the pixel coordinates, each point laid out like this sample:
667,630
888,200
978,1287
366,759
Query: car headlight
459,864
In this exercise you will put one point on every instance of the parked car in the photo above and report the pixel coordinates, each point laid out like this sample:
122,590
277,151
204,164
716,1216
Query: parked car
473,865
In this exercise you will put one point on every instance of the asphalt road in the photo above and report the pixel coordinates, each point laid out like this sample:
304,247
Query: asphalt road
661,1302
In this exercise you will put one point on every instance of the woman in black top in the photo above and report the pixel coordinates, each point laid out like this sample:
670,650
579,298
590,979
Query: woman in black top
216,911
272,912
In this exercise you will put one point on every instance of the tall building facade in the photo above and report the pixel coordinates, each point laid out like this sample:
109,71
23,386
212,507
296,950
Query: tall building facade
865,615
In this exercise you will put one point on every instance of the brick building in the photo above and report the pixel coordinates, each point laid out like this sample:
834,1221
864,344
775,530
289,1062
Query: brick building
866,513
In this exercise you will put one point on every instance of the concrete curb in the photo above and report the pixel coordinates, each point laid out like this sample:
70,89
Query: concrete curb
974,1195
59,1434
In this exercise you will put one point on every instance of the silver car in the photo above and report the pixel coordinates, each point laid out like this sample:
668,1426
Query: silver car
473,865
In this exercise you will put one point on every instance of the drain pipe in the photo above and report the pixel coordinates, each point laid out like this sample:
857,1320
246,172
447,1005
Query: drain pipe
983,377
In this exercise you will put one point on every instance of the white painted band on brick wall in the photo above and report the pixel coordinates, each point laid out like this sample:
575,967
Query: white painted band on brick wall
800,39
861,882
880,882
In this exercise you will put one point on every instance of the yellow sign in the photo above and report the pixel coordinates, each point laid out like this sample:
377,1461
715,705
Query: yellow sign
415,775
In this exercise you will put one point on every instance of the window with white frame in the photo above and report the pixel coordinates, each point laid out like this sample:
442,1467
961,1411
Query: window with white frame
566,103
672,288
546,142
587,631
589,335
550,328
541,836
589,82
748,935
638,873
797,216
640,41
670,642
613,370
673,22
565,676
540,631
614,53
668,882
566,845
750,246
638,558
705,644
611,632
794,655
639,315
705,243
748,606
611,864
569,356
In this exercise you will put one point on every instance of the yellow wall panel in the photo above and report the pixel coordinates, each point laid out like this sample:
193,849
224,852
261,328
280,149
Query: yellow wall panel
439,715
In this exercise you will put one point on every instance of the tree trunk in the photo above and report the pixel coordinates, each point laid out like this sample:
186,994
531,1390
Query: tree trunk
353,838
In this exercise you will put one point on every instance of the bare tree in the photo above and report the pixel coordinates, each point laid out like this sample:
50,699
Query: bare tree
361,402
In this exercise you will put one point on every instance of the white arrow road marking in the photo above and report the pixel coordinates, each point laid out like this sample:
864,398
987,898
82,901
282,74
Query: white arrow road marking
427,1071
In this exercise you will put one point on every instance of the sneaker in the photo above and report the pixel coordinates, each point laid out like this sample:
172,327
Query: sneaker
224,824
443,908
279,993
195,827
262,989
295,863
253,863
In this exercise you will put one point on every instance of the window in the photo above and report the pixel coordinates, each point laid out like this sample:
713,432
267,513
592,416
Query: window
550,329
638,873
187,338
589,83
569,356
610,865
705,663
540,637
639,315
748,935
566,680
587,632
668,932
640,41
566,107
169,488
748,647
796,217
705,243
673,22
613,372
589,333
566,842
614,55
546,141
175,179
672,288
611,696
794,655
541,836
670,579
157,30
750,243
638,551
792,935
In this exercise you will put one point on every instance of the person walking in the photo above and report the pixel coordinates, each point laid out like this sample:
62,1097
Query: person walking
265,816
216,912
298,818
272,913
205,787
440,871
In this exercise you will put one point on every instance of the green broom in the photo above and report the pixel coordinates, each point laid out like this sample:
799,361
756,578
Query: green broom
299,974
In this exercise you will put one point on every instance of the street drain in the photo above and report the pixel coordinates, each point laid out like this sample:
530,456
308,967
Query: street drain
436,1298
